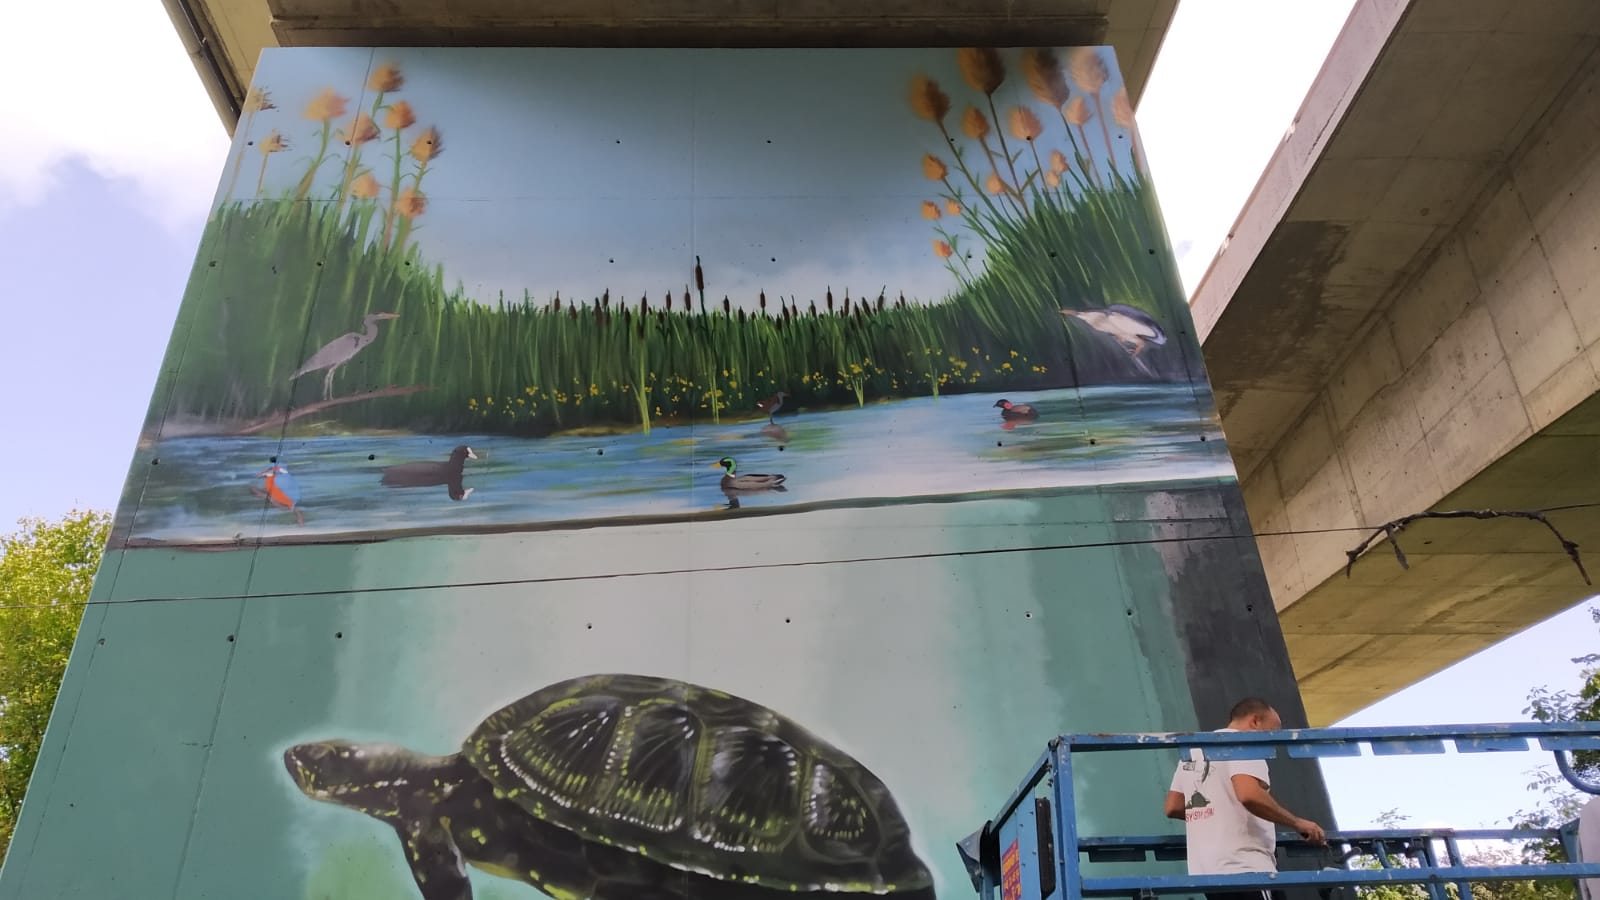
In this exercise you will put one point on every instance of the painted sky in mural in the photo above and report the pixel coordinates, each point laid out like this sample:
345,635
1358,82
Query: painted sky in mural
614,289
593,171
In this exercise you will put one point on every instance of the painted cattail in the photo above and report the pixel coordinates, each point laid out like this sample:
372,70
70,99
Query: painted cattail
1023,123
399,116
258,99
1088,69
982,68
930,209
1077,112
928,101
933,168
1121,109
428,145
411,203
365,187
386,78
1042,71
326,106
974,124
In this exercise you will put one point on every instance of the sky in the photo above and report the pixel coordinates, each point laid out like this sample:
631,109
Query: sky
110,171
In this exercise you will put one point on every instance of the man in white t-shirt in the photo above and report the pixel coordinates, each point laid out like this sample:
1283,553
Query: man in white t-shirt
1228,811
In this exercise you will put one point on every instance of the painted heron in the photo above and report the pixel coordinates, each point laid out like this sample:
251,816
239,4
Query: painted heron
342,349
771,405
1129,326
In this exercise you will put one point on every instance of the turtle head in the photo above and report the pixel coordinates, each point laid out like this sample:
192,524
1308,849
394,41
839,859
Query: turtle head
368,777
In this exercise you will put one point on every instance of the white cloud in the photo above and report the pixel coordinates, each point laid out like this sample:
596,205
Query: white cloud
1230,77
114,88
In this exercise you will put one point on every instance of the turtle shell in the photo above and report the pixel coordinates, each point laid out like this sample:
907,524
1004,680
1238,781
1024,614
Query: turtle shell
699,780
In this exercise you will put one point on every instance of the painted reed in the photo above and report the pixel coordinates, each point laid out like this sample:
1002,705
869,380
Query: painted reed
289,276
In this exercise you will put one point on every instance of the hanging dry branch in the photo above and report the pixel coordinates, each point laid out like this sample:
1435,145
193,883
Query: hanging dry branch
1391,529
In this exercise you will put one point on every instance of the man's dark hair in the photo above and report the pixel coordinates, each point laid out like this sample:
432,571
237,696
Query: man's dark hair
1249,706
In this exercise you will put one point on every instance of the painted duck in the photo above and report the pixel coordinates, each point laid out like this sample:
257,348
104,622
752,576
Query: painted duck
732,481
1009,410
771,405
427,474
281,489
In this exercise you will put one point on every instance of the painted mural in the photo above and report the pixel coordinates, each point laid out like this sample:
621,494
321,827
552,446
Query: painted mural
458,311
652,475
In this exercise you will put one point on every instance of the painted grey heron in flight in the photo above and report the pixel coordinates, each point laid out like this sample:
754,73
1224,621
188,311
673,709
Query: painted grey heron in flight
342,349
1129,326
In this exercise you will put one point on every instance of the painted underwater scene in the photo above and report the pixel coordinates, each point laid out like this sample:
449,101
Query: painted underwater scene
402,325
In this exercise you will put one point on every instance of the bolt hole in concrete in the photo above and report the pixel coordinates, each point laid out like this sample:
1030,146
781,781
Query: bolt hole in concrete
1092,442
1129,612
102,642
589,626
230,638
338,635
272,459
785,621
155,462
1027,615
1249,607
372,456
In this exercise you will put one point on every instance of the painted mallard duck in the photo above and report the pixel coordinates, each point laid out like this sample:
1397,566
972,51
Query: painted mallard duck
1009,410
732,481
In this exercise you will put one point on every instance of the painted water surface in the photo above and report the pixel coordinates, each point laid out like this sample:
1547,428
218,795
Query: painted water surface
201,488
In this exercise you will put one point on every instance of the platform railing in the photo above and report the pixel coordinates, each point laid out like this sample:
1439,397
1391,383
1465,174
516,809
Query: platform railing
1060,848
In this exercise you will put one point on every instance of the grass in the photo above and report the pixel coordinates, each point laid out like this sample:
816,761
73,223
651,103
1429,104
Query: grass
277,277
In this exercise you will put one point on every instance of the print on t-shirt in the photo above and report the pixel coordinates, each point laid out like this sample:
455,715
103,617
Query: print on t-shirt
1222,836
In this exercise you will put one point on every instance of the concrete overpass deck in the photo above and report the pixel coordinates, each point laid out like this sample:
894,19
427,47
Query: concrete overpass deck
1405,316
224,37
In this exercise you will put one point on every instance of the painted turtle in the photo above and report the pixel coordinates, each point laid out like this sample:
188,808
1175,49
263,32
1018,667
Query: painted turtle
626,787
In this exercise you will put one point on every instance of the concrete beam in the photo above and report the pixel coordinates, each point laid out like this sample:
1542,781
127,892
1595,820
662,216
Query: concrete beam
1405,318
227,35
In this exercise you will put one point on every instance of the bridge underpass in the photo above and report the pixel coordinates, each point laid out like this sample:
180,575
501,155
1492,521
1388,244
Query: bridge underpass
1403,317
1406,316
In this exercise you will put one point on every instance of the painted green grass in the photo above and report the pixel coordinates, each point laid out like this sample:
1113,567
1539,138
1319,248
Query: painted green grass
277,279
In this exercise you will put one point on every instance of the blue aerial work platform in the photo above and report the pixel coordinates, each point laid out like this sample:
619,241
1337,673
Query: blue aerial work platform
1032,849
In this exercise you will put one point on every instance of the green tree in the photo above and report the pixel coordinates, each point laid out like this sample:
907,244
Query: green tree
1558,803
46,570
